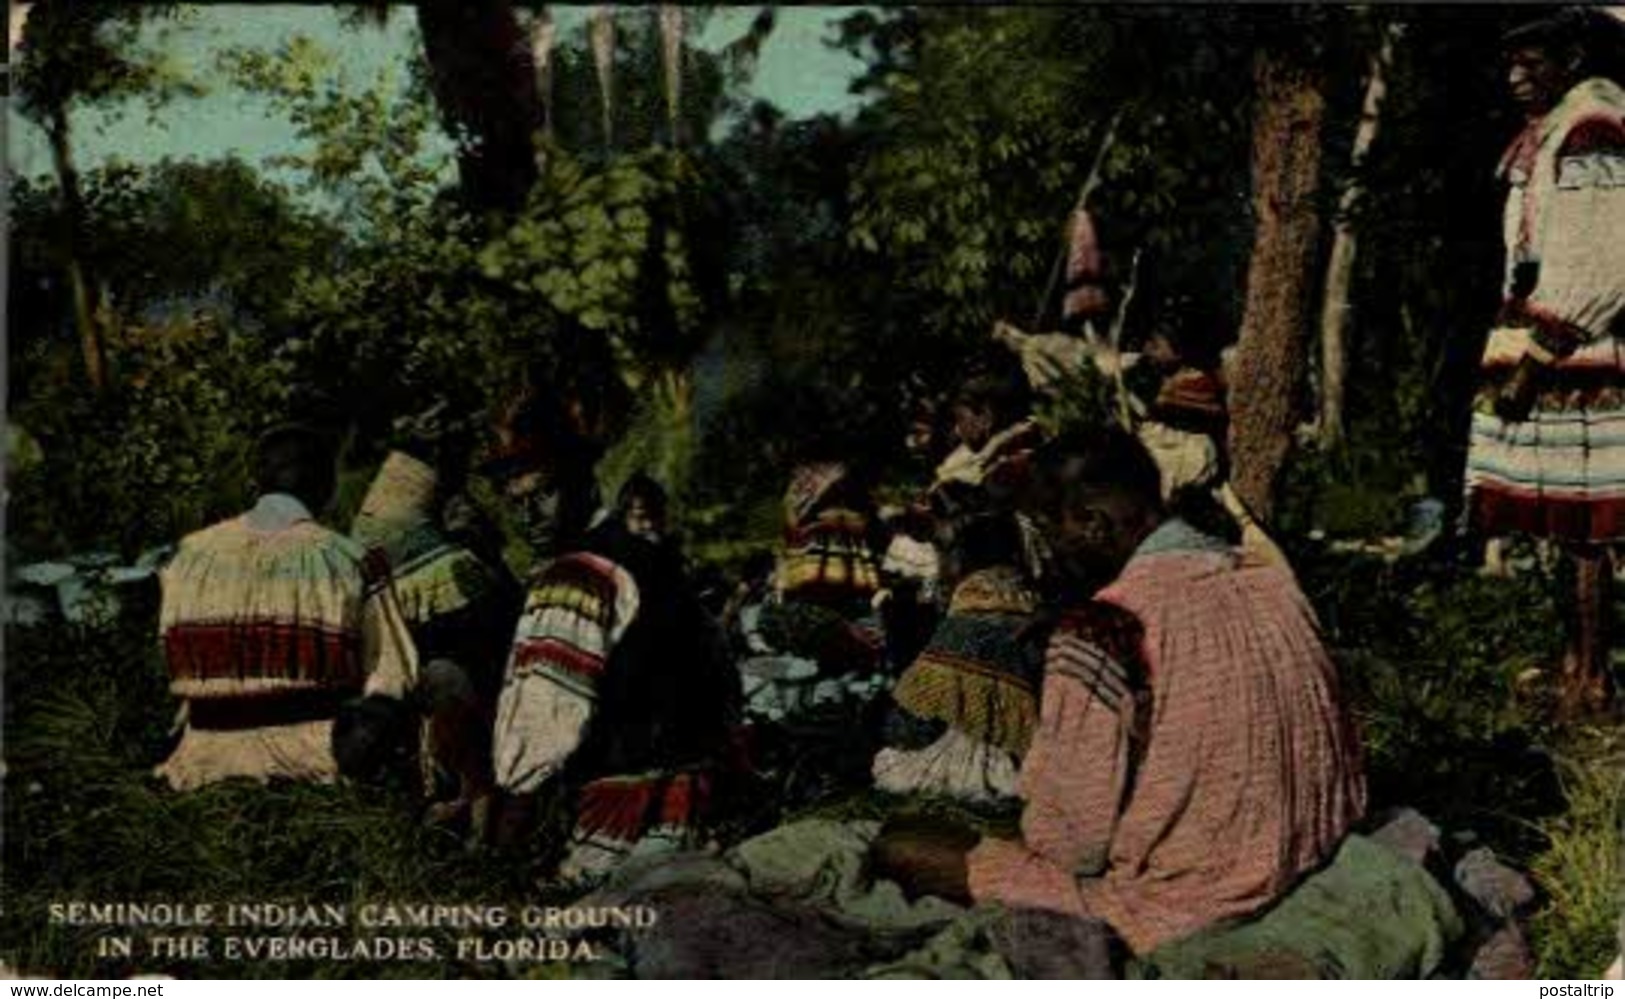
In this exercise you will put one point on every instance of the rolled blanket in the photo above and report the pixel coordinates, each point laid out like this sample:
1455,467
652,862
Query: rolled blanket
1371,914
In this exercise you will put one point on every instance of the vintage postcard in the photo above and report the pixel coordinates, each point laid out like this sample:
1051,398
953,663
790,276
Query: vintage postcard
500,490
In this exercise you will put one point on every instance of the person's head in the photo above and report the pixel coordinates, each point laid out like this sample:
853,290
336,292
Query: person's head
642,507
1094,495
973,532
1547,57
298,460
1162,352
992,398
1186,330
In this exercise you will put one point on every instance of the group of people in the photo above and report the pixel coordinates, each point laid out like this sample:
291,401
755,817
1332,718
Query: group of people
1086,626
1153,697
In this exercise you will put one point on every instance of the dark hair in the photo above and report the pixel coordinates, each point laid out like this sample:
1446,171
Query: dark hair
642,487
1598,36
986,541
997,383
297,459
978,530
1107,458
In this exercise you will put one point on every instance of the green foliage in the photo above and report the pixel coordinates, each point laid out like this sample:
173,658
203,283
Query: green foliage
1078,400
166,455
232,242
89,50
371,148
988,122
639,115
1433,664
593,280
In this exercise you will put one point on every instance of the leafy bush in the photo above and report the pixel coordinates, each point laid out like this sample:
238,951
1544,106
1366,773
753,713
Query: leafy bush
1434,666
167,453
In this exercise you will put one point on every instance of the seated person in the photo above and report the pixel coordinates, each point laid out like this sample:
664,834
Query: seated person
1174,392
992,421
827,574
543,462
1192,760
615,698
271,622
967,706
459,599
641,505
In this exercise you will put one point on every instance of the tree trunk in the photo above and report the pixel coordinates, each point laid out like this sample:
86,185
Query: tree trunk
543,38
1270,357
672,31
1336,309
602,40
81,284
484,79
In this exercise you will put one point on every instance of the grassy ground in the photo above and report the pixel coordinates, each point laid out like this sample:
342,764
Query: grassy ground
1576,933
1440,666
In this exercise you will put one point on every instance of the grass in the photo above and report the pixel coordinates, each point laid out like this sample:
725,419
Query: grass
1576,933
1432,662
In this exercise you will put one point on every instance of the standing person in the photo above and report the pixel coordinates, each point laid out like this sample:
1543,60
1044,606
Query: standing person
270,622
1547,457
1192,759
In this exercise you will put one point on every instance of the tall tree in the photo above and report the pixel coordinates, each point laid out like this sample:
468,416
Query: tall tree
483,73
1336,311
1271,354
70,54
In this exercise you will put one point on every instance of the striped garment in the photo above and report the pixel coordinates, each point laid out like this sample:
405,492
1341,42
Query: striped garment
1188,777
826,557
974,676
268,621
433,577
1561,472
577,613
620,816
827,560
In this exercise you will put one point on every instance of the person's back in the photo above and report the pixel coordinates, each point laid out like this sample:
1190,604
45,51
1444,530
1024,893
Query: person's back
1251,775
1191,760
965,709
270,622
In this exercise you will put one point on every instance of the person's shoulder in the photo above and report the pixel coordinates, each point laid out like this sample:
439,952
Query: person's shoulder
1595,122
368,564
212,534
1112,628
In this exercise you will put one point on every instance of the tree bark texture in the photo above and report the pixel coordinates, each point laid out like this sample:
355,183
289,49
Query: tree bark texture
81,285
1336,312
483,74
1270,359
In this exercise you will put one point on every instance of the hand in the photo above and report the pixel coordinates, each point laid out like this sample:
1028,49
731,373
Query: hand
925,857
1517,397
